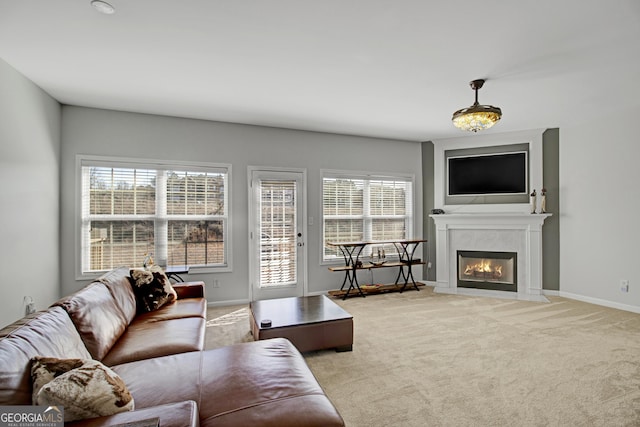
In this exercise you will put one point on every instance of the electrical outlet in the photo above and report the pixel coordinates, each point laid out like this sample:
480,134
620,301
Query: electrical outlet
624,285
216,283
29,305
429,264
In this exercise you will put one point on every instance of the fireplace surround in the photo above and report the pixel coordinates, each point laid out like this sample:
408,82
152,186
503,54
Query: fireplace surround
519,233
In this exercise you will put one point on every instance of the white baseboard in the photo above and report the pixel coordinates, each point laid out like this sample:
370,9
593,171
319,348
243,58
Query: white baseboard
598,301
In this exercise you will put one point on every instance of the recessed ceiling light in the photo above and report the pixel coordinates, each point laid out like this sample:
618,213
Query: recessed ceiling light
103,7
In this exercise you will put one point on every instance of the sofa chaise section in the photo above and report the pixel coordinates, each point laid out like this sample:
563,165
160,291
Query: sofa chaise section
264,383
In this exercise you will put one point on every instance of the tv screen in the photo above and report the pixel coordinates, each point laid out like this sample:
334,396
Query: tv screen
504,173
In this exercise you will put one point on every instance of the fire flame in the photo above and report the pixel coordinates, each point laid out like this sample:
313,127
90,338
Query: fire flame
483,266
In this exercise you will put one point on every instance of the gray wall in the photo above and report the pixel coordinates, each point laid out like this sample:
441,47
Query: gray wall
551,228
428,203
111,133
599,202
29,172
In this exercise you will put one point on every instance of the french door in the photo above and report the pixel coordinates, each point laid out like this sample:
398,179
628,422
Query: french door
277,233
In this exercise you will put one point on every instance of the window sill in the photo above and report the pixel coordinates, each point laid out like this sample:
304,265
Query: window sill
83,277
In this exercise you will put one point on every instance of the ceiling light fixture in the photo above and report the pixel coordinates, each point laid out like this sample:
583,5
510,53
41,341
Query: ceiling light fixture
103,7
477,117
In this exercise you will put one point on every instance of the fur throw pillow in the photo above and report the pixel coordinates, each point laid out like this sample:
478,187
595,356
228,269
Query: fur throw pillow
85,388
152,289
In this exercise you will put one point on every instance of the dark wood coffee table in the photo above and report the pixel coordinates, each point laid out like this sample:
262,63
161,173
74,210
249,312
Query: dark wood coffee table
310,323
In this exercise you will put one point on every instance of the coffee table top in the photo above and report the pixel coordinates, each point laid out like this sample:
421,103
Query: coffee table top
294,311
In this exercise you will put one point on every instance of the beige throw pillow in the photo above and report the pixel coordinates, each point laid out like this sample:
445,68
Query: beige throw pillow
88,390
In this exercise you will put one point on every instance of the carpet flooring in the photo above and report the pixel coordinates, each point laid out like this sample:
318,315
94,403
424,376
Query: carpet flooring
427,359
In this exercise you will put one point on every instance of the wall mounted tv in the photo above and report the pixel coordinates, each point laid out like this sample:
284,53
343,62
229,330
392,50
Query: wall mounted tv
488,174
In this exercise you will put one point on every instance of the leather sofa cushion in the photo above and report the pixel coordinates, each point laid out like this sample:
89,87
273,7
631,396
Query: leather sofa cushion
266,381
144,340
181,414
190,307
117,281
162,380
47,333
268,384
96,316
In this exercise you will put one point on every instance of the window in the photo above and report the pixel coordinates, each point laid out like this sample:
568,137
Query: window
365,207
176,213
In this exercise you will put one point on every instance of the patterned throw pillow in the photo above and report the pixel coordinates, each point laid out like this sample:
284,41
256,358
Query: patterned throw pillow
152,289
45,369
85,388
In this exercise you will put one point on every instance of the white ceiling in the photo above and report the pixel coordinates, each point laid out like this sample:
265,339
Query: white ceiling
383,68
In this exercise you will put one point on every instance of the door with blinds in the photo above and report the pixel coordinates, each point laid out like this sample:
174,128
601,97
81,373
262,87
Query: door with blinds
277,235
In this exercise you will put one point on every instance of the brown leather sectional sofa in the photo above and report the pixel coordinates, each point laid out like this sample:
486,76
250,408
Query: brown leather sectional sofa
160,357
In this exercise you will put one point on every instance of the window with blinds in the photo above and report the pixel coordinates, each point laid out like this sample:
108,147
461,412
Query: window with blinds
357,208
130,210
278,240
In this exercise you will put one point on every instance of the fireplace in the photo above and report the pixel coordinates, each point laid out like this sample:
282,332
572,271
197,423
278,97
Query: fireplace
501,232
488,270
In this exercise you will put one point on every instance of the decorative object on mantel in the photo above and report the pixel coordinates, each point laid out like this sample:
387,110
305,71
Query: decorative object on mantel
543,200
477,117
437,211
533,201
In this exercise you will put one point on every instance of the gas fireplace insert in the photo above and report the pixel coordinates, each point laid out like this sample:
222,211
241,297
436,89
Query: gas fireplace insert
488,270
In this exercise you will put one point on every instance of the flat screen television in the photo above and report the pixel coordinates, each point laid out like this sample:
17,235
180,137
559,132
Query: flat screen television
487,174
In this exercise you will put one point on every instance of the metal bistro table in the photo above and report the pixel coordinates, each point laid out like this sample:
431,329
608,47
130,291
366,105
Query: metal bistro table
351,252
174,272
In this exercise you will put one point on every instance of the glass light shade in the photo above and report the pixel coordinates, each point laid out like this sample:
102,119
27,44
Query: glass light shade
103,7
477,117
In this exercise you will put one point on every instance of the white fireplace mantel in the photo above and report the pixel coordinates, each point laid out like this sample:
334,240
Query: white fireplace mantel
509,232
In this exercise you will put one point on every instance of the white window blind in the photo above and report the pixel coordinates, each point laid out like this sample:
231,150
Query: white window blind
178,214
357,208
278,240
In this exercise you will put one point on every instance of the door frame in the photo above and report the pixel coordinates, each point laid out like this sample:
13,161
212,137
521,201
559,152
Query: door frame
251,224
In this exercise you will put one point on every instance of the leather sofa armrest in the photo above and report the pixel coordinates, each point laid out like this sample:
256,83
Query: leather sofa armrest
189,289
171,415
